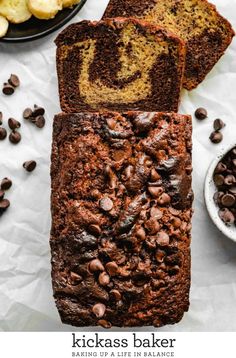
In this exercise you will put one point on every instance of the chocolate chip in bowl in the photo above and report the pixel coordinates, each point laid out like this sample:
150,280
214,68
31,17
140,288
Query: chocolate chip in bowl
220,191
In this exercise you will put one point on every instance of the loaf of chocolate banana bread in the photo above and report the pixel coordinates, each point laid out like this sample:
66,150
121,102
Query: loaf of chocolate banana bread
119,64
207,34
121,218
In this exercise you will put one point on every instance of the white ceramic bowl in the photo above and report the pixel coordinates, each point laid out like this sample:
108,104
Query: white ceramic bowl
209,190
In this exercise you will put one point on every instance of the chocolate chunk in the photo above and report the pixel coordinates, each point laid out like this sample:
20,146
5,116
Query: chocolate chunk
141,234
8,90
96,265
6,184
219,180
95,229
14,80
115,294
220,168
218,124
4,205
163,238
38,111
13,123
99,310
155,191
3,133
27,114
106,204
164,199
30,165
228,200
112,268
15,137
40,121
104,279
2,193
229,180
226,216
201,113
216,137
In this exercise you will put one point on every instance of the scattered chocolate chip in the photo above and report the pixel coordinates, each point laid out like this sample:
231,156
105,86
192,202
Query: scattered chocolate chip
155,191
99,310
14,80
106,204
219,180
95,229
163,238
201,113
96,265
104,279
6,183
4,205
115,294
228,200
40,121
141,234
164,199
112,268
8,90
218,124
13,123
1,194
38,111
30,165
15,137
216,137
226,216
3,133
27,114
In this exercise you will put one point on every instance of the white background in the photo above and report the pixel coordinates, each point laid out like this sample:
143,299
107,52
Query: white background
26,302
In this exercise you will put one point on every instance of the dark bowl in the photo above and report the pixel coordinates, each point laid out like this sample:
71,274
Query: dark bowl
35,28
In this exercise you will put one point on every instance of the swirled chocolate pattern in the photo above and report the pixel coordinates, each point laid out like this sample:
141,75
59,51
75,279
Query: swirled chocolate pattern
119,64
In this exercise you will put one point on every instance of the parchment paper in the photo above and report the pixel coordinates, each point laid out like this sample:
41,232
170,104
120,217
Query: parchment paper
26,302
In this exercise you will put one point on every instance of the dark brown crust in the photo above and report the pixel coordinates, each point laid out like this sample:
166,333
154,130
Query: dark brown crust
167,71
203,51
153,279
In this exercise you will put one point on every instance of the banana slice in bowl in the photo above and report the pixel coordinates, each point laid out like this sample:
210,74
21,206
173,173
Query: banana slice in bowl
4,24
44,9
70,3
16,11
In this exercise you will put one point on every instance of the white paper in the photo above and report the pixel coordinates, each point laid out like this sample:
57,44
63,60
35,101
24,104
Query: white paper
26,301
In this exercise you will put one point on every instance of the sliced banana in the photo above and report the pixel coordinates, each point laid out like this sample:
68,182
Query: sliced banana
4,24
15,11
69,3
44,9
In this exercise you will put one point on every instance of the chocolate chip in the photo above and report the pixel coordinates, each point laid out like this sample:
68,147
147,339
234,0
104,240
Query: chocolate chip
233,190
95,230
96,265
8,90
104,323
40,121
112,268
27,114
220,168
14,80
154,175
128,172
160,255
201,113
116,295
38,111
99,310
164,199
1,194
229,180
111,123
75,278
216,137
152,226
141,234
163,238
13,123
30,165
6,184
155,191
219,180
3,133
15,137
217,197
104,279
174,211
228,200
226,216
4,205
218,124
106,204
156,213
176,222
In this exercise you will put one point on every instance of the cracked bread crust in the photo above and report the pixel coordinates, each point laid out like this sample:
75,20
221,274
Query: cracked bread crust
121,218
207,34
119,64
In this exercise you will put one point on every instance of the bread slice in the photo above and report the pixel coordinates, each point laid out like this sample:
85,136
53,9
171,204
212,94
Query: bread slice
45,9
70,3
4,24
119,64
206,33
16,11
